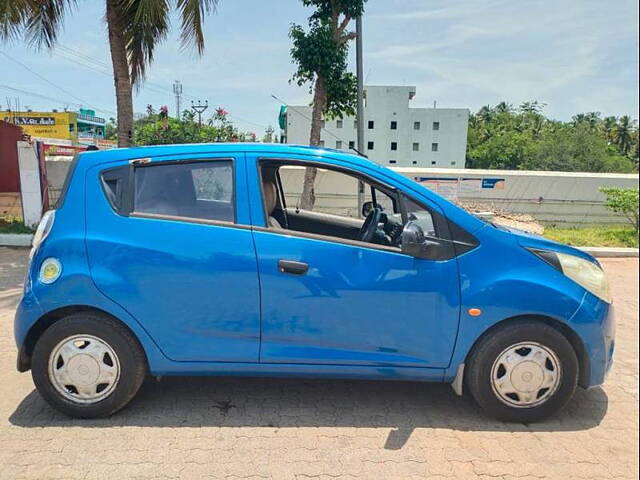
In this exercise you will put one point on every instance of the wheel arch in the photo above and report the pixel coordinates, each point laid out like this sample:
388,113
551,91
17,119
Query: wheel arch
51,317
584,368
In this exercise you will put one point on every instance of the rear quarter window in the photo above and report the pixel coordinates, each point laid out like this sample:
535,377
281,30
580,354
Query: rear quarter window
194,190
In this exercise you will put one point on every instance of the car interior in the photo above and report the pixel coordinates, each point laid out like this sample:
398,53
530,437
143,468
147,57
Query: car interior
377,224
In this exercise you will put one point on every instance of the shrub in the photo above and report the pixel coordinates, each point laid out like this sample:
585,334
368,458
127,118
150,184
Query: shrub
623,201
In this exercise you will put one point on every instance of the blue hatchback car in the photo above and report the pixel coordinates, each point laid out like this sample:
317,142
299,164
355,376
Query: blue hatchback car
202,260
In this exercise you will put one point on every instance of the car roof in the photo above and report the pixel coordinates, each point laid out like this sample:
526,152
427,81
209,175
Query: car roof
97,157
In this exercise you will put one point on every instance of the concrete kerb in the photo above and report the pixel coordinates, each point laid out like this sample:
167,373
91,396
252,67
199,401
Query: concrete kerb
15,239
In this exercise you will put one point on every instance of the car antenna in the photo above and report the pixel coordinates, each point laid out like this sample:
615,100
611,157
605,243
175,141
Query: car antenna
322,128
359,152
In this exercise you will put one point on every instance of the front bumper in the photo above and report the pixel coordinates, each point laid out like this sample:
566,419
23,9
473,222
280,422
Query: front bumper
595,323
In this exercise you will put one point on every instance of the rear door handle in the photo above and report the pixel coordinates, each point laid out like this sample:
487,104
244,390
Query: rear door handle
293,267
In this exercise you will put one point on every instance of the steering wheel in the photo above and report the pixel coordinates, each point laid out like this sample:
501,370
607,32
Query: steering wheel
370,225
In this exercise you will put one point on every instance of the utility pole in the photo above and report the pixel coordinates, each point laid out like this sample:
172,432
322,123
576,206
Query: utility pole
199,108
177,91
360,105
269,131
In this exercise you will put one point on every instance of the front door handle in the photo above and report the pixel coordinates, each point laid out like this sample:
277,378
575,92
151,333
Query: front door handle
293,267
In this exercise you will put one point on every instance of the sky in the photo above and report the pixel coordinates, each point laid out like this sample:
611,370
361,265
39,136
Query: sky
572,55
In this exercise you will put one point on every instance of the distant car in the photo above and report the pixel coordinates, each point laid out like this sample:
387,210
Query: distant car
201,260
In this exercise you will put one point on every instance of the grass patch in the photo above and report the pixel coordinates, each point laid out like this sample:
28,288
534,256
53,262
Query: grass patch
595,236
14,225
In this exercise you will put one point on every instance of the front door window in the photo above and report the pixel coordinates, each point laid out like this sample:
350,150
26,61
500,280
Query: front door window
335,213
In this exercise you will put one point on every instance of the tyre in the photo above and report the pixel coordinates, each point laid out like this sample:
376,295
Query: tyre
522,372
87,365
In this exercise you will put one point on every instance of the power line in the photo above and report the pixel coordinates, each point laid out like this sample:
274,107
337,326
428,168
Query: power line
44,78
83,56
109,74
57,100
97,66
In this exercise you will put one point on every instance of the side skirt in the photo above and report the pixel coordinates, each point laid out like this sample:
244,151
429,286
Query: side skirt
373,372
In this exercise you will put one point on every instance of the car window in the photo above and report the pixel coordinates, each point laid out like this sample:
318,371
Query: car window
382,199
336,192
202,190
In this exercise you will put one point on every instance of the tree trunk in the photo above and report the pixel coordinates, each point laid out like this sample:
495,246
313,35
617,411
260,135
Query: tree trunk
308,198
121,76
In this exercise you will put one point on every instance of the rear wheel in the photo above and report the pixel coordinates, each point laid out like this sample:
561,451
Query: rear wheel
522,372
88,365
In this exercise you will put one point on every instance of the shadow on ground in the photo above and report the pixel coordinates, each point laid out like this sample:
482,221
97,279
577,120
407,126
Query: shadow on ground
281,403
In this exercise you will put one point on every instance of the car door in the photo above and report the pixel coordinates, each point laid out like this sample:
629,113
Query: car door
181,258
327,300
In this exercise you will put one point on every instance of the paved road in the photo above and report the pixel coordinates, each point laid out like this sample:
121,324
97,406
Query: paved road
283,429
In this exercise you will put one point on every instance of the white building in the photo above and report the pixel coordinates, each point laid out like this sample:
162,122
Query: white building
394,133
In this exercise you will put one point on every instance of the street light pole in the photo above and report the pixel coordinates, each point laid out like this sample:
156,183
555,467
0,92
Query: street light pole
199,108
360,105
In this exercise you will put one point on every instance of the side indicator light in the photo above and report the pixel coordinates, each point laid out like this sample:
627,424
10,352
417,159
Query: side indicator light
475,312
50,270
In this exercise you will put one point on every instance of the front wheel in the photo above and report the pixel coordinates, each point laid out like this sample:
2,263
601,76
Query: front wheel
87,365
522,372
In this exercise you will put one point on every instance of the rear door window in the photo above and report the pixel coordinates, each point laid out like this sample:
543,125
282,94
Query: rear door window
198,190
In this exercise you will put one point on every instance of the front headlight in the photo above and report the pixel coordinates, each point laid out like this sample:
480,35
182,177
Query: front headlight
585,273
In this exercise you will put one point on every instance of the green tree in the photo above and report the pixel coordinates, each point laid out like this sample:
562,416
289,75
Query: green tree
623,133
575,149
320,54
135,28
623,201
111,129
524,138
609,125
160,129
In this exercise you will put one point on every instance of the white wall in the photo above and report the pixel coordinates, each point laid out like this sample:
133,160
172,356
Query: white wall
30,192
556,197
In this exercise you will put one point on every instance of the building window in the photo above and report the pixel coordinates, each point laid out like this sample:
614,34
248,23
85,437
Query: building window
416,146
414,162
392,162
394,125
370,125
453,163
339,144
416,125
321,144
71,127
352,145
436,125
433,162
394,145
369,145
321,123
355,124
434,147
338,123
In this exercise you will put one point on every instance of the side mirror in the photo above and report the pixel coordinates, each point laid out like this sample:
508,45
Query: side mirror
414,243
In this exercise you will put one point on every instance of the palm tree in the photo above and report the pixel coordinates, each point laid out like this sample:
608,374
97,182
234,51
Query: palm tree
504,107
135,28
608,127
622,134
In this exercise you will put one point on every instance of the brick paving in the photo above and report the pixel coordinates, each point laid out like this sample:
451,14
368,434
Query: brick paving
230,428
